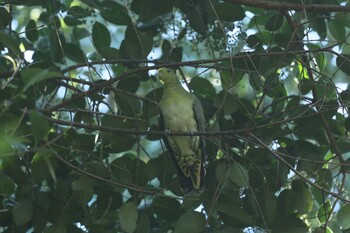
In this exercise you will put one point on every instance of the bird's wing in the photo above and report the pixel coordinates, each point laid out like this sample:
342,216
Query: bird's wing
199,168
185,181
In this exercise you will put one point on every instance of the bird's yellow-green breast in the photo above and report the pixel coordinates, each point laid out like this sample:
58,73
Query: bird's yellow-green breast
181,111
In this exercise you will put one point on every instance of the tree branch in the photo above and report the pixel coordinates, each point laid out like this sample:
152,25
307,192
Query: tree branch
284,6
231,133
305,62
336,195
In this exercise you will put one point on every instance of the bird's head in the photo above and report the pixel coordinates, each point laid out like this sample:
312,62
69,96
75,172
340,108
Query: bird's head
167,76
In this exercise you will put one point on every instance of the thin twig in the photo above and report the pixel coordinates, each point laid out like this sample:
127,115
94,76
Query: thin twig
284,6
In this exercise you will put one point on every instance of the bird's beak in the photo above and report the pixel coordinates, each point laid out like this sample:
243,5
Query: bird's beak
158,74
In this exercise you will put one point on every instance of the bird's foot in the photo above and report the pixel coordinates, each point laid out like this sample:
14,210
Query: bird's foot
167,132
190,132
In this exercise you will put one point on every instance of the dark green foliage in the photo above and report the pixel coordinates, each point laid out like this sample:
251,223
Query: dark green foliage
80,147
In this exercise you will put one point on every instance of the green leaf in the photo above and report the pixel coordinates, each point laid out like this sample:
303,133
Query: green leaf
324,178
325,88
79,102
80,33
193,222
83,183
79,12
39,125
56,41
195,18
227,101
290,224
347,123
127,105
233,214
55,228
100,36
324,212
343,217
254,41
118,142
128,217
286,203
229,12
274,22
283,40
150,108
107,197
239,175
269,204
7,186
40,216
129,84
74,53
110,53
167,208
144,224
176,54
22,212
343,62
120,168
115,13
32,76
182,34
229,230
5,147
305,201
71,20
230,79
166,49
337,28
150,9
306,85
43,166
11,167
319,25
202,87
10,42
5,17
136,45
308,127
62,190
31,31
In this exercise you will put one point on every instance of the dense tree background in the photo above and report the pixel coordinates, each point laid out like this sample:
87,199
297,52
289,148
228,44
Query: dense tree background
80,146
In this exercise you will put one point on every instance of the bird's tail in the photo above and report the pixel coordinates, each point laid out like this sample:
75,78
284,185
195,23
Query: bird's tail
195,180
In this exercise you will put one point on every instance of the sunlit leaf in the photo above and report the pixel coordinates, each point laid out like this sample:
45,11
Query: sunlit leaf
32,76
343,217
128,216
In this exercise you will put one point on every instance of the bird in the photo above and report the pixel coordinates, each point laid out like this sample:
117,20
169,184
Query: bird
181,111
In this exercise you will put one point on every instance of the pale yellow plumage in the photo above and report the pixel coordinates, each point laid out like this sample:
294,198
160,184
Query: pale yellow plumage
181,111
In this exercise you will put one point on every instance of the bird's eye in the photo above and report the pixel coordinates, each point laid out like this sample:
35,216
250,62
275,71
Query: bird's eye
168,71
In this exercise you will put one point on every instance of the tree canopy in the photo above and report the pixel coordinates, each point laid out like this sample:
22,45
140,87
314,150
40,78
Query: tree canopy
80,145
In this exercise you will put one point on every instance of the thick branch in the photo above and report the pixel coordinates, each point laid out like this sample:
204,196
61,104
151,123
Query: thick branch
231,133
160,63
284,6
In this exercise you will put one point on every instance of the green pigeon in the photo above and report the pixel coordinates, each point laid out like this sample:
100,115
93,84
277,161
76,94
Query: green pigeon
181,111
